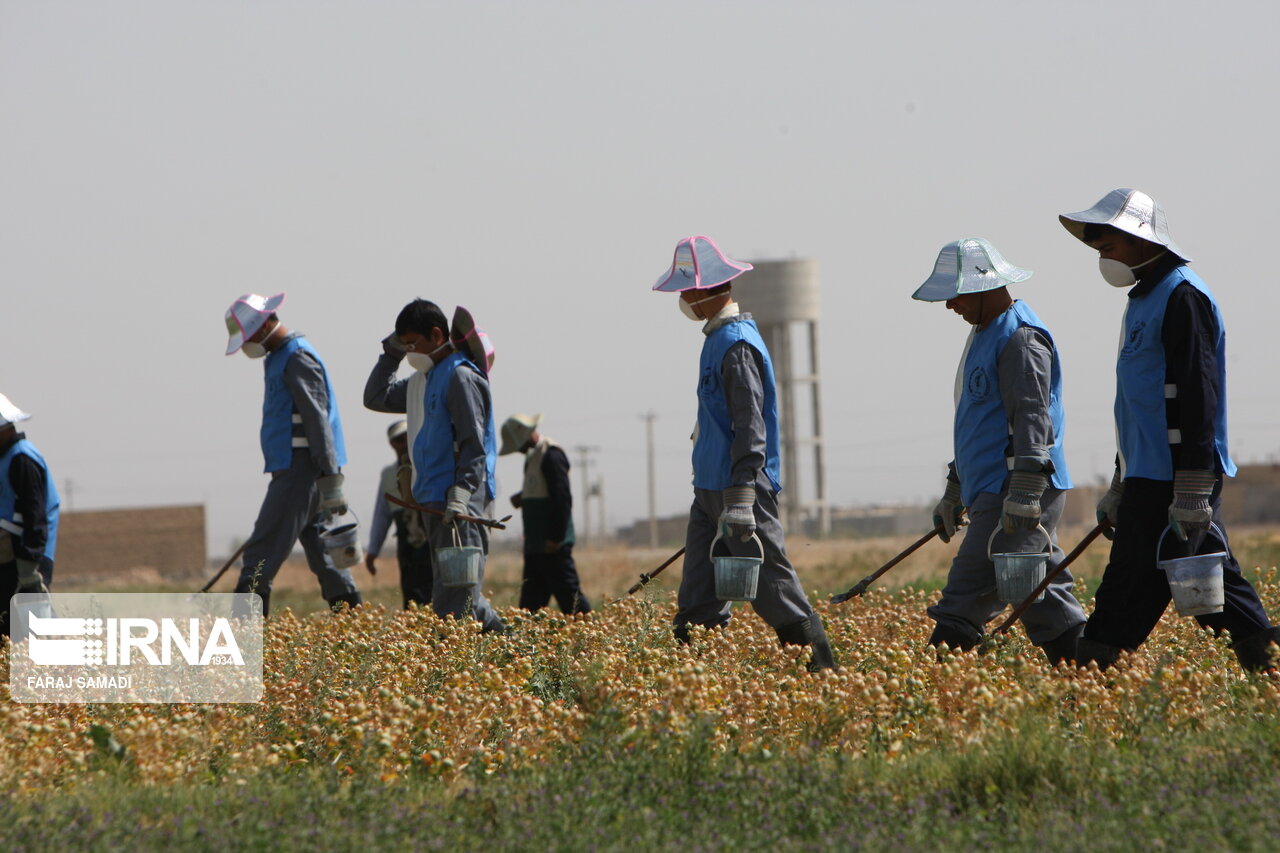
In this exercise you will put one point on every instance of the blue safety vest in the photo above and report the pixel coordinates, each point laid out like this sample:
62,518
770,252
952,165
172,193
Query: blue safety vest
10,519
984,451
1142,425
713,451
434,451
281,425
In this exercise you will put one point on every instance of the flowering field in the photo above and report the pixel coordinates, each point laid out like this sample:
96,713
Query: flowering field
408,710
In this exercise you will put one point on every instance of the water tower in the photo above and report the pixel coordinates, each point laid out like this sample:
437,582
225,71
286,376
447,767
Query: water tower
784,299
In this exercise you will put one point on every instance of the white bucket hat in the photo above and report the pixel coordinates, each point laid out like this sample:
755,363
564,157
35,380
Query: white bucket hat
246,316
1131,211
516,431
699,264
470,339
397,429
11,414
971,265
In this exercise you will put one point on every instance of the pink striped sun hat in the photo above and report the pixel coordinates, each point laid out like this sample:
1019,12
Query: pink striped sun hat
699,264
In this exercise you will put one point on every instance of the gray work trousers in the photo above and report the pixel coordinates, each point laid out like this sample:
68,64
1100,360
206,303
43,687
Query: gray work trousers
780,599
463,600
969,599
289,515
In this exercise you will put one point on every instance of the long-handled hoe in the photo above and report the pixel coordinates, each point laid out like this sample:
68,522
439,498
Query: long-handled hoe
645,577
222,571
495,523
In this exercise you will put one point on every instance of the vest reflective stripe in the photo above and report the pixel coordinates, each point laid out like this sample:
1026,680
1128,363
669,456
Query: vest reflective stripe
10,519
982,430
713,447
1142,423
434,447
282,426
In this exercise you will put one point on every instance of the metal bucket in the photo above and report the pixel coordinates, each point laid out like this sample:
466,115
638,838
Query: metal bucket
342,542
459,565
1196,582
1018,573
737,577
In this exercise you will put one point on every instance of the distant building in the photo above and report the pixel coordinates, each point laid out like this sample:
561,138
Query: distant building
145,543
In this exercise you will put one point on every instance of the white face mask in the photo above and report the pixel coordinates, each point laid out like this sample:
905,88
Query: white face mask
420,361
253,349
686,308
1118,274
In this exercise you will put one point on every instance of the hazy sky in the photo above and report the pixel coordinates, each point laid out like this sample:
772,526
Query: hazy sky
537,161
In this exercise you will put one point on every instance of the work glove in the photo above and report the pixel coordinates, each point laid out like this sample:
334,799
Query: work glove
455,504
948,515
1190,511
29,579
1022,501
738,518
1109,507
517,499
392,346
333,502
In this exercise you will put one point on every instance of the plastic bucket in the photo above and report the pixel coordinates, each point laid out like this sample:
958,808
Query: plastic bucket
737,577
1196,582
459,565
342,543
1018,573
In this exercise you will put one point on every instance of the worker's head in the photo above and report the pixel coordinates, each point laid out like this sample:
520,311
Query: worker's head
971,277
398,437
519,434
423,330
10,417
252,324
701,273
1132,213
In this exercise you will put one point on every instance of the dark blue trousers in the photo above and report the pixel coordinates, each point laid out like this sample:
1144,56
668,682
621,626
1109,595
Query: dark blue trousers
1134,593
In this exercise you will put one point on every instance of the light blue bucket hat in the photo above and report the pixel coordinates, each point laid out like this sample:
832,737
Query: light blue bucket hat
971,265
699,264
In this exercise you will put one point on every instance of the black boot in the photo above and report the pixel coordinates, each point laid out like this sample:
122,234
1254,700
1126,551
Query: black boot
948,635
1063,647
681,633
351,599
1100,653
1255,652
809,632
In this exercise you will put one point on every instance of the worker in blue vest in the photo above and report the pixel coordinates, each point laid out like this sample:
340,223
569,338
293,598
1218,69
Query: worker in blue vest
29,506
302,444
452,440
413,553
1009,471
736,457
1171,431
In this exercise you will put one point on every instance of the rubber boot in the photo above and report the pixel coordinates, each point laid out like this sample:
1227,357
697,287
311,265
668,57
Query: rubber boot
1063,647
809,632
822,657
953,637
1100,653
681,633
1256,652
351,599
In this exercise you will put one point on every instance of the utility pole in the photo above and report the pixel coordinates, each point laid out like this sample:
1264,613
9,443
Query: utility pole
584,456
648,418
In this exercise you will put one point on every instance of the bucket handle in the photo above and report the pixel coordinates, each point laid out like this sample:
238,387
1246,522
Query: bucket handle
754,538
1048,544
1169,527
330,526
457,540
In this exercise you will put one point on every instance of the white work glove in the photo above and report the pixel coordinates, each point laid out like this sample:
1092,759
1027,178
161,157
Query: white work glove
948,515
456,502
1022,501
393,346
1109,507
333,502
738,518
29,579
1190,511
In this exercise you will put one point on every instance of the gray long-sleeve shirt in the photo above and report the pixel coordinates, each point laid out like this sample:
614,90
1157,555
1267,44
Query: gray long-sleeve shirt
305,379
740,375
